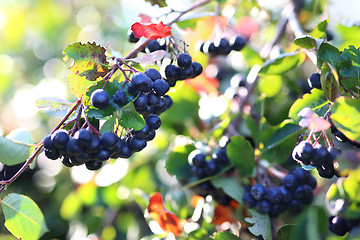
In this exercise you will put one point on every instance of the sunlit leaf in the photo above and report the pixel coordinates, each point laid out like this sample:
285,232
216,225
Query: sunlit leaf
285,62
89,60
77,84
128,117
320,29
350,68
23,218
151,31
150,58
168,221
346,117
307,42
316,100
177,163
241,154
54,103
328,53
15,148
328,83
109,125
261,224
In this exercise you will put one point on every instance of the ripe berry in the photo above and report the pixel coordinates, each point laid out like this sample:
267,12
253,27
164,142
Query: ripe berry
141,82
237,43
312,182
326,173
274,195
137,144
93,165
67,162
338,225
184,60
141,101
277,209
153,45
161,87
120,97
248,200
60,138
94,145
172,72
100,98
321,155
72,147
290,182
258,191
314,81
150,136
186,73
83,137
108,140
142,133
102,155
197,69
210,168
153,73
153,121
295,206
301,174
153,99
223,46
48,145
198,160
263,206
220,157
286,194
125,151
53,155
131,37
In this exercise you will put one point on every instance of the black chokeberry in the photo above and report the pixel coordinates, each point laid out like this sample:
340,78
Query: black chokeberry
153,99
338,225
48,143
223,46
72,147
197,67
153,121
60,138
83,137
184,60
108,140
274,195
100,98
94,145
210,168
237,43
125,151
141,101
314,80
172,72
258,191
263,206
136,144
161,87
131,37
102,155
53,155
120,97
93,165
154,45
141,82
198,160
142,133
290,182
153,73
248,200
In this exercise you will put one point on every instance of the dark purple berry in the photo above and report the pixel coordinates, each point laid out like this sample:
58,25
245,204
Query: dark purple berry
197,69
153,121
153,73
198,160
131,37
93,165
172,72
53,155
102,155
338,225
237,43
83,137
290,182
248,200
295,206
258,191
263,206
141,101
48,145
141,82
184,60
314,81
108,140
286,194
94,145
72,147
210,168
120,97
161,87
223,46
67,162
274,195
153,99
60,138
100,98
136,144
154,45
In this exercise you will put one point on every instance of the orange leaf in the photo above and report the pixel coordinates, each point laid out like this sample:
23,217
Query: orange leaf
151,31
223,214
168,221
203,84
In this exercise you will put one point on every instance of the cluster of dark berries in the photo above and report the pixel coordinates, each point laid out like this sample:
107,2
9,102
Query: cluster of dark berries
155,45
314,81
222,46
101,99
201,167
341,225
319,156
341,137
186,69
295,192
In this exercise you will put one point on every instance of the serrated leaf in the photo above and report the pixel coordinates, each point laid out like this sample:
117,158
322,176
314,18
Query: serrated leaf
150,58
346,117
54,103
241,154
89,60
328,53
177,163
109,125
320,30
285,62
230,186
287,130
111,87
328,83
23,218
350,68
128,117
285,232
161,3
307,42
15,148
225,236
316,100
261,224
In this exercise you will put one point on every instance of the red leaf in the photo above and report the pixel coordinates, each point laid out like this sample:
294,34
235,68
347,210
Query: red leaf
168,221
151,31
145,18
223,214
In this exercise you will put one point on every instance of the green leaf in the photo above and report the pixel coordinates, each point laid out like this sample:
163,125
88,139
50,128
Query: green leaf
270,85
287,130
15,148
54,103
110,88
350,68
261,224
225,236
109,125
77,84
89,60
230,186
23,218
307,42
346,117
316,100
320,30
241,154
328,53
150,58
161,3
285,62
285,231
128,117
328,83
177,164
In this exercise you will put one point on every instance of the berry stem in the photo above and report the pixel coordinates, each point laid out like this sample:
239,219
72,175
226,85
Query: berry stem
6,183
